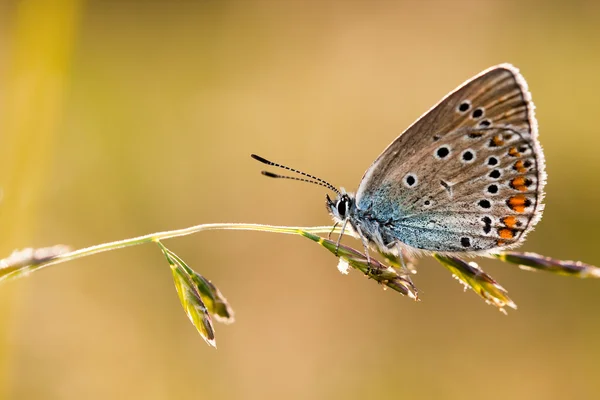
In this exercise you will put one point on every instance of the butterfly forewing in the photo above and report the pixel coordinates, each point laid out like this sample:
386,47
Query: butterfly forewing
467,176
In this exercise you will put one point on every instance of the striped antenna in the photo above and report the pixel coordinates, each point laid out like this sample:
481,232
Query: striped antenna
313,179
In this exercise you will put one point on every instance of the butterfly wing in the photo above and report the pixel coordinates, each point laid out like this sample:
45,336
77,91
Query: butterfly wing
466,176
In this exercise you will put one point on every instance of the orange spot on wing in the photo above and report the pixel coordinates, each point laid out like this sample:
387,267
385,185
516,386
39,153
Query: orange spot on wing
520,167
519,183
518,203
497,140
510,221
513,152
501,242
506,233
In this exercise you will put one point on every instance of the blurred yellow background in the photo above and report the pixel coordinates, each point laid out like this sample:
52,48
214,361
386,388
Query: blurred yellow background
124,118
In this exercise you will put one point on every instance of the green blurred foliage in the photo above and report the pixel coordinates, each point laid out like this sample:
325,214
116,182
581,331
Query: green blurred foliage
122,118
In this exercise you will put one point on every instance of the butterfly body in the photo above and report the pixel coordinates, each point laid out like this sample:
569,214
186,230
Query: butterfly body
466,177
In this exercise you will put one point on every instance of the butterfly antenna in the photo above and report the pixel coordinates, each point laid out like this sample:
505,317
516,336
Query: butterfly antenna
313,179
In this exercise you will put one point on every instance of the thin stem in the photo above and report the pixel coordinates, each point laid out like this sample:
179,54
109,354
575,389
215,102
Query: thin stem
154,237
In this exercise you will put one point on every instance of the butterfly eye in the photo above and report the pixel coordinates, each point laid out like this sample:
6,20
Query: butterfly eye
341,207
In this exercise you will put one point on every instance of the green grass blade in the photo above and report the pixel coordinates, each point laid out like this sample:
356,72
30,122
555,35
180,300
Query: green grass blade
211,296
475,278
190,297
538,262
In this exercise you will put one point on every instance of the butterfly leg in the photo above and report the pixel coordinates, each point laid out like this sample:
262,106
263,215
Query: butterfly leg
366,247
337,245
401,258
333,229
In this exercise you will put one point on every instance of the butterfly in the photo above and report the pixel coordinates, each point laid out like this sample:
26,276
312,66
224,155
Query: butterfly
466,178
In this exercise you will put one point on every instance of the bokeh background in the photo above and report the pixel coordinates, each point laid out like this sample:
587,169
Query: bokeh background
123,118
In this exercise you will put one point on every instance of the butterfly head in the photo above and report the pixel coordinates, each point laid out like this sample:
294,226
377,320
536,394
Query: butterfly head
341,208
